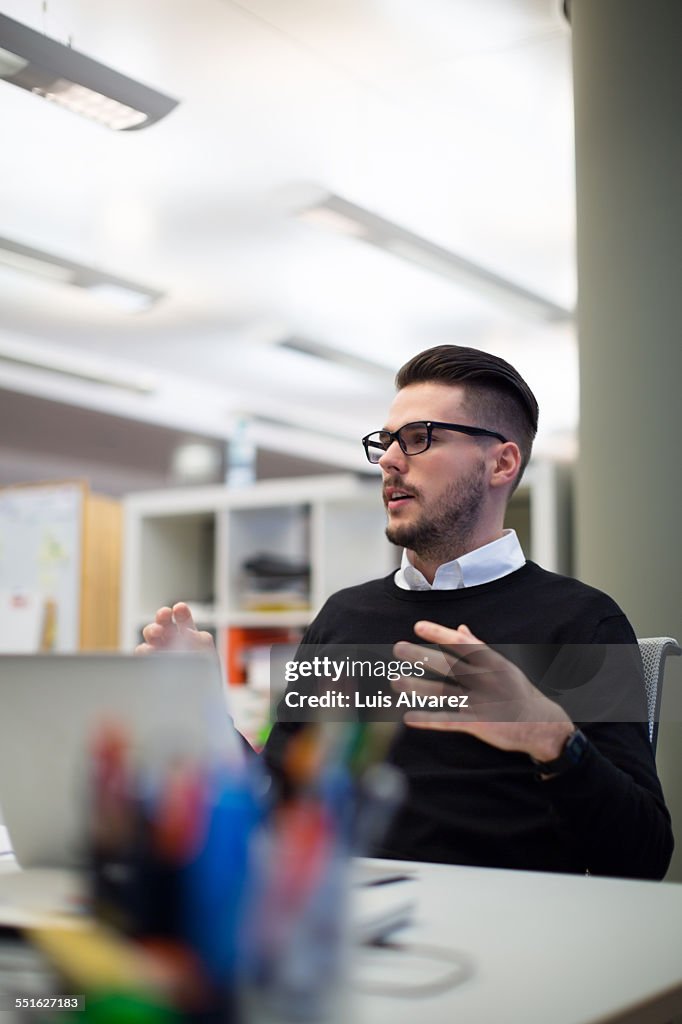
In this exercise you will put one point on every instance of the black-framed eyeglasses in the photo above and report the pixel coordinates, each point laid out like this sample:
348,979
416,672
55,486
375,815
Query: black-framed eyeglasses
415,438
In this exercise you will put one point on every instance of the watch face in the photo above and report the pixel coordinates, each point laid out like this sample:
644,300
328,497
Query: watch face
572,754
575,746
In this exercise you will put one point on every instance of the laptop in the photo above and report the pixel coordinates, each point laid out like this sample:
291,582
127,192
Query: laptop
170,705
50,708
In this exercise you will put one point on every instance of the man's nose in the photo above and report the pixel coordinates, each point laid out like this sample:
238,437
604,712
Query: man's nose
393,458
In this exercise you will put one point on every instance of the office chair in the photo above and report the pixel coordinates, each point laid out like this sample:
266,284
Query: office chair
654,650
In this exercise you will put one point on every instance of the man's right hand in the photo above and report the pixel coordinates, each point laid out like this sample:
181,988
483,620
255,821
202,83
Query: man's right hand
173,629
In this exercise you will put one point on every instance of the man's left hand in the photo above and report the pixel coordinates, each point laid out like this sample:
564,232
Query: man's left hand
504,709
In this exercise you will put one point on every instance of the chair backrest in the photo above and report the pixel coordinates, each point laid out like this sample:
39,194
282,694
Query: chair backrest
654,650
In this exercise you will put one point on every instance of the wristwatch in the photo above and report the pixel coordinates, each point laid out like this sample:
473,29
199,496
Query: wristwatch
572,754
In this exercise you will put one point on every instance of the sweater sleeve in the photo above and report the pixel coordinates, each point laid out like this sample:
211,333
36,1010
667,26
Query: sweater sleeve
611,805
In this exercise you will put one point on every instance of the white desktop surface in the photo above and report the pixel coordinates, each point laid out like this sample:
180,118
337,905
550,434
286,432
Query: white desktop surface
545,949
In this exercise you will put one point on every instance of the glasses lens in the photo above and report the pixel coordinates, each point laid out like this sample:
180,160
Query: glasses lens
414,438
376,445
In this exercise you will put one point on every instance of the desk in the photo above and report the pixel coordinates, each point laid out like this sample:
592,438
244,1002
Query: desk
546,949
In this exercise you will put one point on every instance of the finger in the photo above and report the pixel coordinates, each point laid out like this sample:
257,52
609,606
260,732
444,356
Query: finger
425,687
144,649
205,639
164,616
192,640
154,634
182,616
459,642
442,721
462,644
435,633
433,659
448,662
444,633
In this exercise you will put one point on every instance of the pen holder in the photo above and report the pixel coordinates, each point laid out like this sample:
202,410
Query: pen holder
298,926
250,896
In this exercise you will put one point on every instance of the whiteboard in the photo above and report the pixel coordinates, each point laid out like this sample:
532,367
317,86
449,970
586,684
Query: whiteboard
40,567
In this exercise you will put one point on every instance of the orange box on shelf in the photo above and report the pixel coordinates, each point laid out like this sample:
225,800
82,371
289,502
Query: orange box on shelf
239,639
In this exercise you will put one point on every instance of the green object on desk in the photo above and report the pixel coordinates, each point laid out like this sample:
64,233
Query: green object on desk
125,1008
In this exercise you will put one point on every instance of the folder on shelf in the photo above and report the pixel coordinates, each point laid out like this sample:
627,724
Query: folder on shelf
241,641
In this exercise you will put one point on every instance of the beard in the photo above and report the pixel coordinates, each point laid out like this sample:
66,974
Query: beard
443,531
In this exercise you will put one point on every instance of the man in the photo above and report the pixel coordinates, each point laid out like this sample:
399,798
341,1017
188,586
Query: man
511,781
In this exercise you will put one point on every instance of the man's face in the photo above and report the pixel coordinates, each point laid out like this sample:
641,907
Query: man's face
433,500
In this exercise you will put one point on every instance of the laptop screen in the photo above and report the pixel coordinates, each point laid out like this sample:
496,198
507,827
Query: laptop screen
51,706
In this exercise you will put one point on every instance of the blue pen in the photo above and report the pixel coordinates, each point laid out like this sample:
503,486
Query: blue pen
218,880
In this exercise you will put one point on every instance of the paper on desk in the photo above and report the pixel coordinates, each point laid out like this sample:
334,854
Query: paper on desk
39,895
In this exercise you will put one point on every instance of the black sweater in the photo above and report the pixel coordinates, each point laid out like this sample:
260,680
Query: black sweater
470,803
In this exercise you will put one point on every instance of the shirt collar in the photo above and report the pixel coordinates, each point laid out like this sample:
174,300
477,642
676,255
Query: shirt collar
483,565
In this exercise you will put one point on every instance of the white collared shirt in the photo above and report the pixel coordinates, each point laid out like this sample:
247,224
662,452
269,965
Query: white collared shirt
492,561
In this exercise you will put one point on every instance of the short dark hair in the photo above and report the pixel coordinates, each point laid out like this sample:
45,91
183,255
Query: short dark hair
496,394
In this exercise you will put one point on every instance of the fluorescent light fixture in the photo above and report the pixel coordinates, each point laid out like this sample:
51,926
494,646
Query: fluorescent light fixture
50,69
304,430
69,369
398,241
124,298
30,265
125,295
321,217
336,356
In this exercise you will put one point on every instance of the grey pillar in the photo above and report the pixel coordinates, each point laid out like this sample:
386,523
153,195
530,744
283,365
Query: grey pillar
628,113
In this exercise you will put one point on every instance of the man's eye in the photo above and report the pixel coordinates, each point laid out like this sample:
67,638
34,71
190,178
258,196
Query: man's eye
415,438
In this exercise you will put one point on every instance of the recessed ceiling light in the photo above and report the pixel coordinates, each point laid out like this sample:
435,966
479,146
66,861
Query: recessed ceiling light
198,461
58,73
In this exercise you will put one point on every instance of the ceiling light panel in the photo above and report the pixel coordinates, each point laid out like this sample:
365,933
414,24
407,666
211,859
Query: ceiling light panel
117,291
137,386
390,237
335,356
68,78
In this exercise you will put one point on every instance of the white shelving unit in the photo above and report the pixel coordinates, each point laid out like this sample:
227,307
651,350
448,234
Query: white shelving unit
190,545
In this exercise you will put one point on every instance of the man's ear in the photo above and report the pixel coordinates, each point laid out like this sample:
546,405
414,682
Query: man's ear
507,465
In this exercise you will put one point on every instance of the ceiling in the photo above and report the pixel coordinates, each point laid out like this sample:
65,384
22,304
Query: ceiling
450,118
